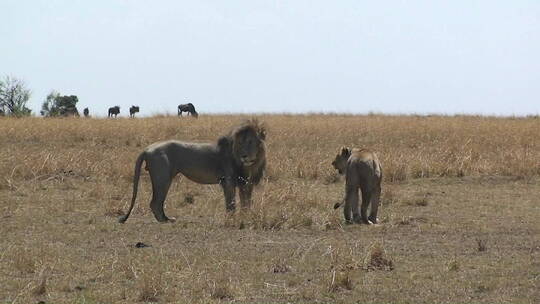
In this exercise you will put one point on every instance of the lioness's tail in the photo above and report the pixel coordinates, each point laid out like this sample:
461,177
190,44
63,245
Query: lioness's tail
339,204
138,165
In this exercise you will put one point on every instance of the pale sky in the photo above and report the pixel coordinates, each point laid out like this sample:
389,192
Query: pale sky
455,56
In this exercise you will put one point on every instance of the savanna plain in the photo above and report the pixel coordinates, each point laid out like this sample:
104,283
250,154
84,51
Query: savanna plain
459,215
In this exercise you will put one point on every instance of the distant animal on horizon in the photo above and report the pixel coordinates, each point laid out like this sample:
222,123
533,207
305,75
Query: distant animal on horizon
86,112
362,171
114,111
188,107
133,110
235,160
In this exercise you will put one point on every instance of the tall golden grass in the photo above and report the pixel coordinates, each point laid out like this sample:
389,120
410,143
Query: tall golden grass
298,145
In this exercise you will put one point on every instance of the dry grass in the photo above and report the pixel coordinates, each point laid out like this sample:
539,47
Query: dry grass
450,185
340,281
377,258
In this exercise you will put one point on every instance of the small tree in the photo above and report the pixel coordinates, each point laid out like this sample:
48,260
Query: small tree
13,97
58,105
48,106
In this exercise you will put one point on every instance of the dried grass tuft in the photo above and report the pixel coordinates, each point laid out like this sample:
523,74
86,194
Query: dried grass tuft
377,259
341,280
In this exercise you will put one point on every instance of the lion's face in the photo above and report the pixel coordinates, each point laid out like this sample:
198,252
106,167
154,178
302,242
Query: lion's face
248,145
340,162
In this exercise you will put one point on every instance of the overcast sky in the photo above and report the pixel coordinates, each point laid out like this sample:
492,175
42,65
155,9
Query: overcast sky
455,56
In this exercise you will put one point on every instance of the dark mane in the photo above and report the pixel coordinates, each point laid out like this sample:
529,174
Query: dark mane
225,143
253,125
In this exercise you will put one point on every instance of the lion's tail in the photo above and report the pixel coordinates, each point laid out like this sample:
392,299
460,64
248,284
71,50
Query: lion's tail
138,165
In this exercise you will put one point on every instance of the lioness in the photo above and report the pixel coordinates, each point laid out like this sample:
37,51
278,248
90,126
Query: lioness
362,170
235,160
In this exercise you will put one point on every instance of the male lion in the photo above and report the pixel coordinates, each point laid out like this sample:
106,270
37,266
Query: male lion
362,170
235,160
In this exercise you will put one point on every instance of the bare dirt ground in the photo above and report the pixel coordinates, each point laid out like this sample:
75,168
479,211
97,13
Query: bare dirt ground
456,226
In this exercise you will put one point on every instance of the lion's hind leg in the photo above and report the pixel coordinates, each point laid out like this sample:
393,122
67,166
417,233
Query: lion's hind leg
351,204
366,199
375,200
161,182
347,213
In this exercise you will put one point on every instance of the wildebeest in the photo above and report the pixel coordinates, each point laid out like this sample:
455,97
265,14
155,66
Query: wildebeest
188,107
114,111
133,110
86,112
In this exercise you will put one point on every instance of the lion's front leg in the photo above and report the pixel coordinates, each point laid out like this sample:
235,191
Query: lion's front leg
229,190
245,195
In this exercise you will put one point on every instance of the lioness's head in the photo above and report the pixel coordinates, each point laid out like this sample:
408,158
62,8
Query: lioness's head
248,142
340,162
